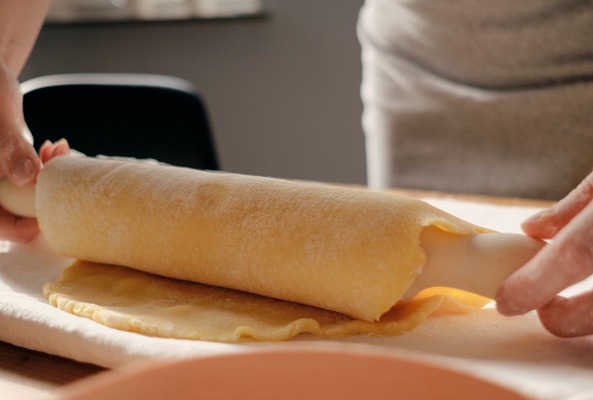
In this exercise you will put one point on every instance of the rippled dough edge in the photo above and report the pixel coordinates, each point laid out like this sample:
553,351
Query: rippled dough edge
134,301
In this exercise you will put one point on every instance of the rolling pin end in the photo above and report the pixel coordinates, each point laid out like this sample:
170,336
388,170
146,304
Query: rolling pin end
474,263
19,200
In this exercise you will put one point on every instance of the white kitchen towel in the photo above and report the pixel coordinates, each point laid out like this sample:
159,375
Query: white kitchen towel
515,352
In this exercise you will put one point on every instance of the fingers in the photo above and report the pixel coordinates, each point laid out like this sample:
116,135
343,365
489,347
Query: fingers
49,150
562,263
547,223
568,317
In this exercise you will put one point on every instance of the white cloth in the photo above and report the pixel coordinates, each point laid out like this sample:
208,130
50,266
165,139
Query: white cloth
515,352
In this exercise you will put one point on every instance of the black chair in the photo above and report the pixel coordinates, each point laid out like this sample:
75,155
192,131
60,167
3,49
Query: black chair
127,115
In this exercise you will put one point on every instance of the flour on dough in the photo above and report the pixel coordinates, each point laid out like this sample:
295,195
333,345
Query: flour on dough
136,301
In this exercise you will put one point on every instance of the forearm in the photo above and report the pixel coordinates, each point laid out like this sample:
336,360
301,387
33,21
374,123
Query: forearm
20,22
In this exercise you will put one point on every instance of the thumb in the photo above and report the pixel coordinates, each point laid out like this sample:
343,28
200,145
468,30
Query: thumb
18,159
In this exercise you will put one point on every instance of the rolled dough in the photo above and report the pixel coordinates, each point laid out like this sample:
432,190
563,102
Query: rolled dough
350,251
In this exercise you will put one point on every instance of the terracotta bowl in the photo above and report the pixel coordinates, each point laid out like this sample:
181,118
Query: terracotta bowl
288,375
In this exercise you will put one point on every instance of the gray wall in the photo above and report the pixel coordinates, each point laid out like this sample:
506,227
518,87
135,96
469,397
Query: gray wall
282,91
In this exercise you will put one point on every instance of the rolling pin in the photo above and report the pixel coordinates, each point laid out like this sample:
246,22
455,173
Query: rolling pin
348,250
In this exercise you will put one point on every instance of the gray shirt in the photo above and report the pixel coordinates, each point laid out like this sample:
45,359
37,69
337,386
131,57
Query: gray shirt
492,97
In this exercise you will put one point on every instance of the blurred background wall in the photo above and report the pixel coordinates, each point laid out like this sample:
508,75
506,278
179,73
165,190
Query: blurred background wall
282,90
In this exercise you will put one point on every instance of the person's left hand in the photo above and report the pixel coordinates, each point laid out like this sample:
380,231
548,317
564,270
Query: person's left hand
18,229
18,160
49,150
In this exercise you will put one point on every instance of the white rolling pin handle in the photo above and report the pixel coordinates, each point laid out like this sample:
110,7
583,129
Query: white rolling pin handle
474,263
16,199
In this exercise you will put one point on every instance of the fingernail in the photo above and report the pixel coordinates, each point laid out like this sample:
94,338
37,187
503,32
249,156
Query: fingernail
62,147
549,231
508,309
22,171
541,215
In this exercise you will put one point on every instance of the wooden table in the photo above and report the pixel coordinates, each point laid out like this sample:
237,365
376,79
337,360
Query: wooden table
30,375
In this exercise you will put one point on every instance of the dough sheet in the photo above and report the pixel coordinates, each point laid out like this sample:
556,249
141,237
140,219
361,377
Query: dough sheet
130,300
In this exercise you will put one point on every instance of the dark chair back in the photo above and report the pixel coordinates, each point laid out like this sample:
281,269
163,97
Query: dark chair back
128,115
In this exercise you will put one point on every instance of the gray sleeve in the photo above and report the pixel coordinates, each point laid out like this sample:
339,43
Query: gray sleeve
478,97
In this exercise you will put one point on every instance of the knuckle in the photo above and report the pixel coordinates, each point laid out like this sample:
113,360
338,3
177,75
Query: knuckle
577,257
587,183
583,193
574,248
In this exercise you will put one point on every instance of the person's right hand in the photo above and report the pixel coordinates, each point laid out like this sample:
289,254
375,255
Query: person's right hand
568,259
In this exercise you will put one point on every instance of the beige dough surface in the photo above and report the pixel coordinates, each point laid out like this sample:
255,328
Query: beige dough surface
354,252
130,300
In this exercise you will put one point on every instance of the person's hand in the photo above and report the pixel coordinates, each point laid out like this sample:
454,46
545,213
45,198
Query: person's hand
19,229
49,150
18,160
566,260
